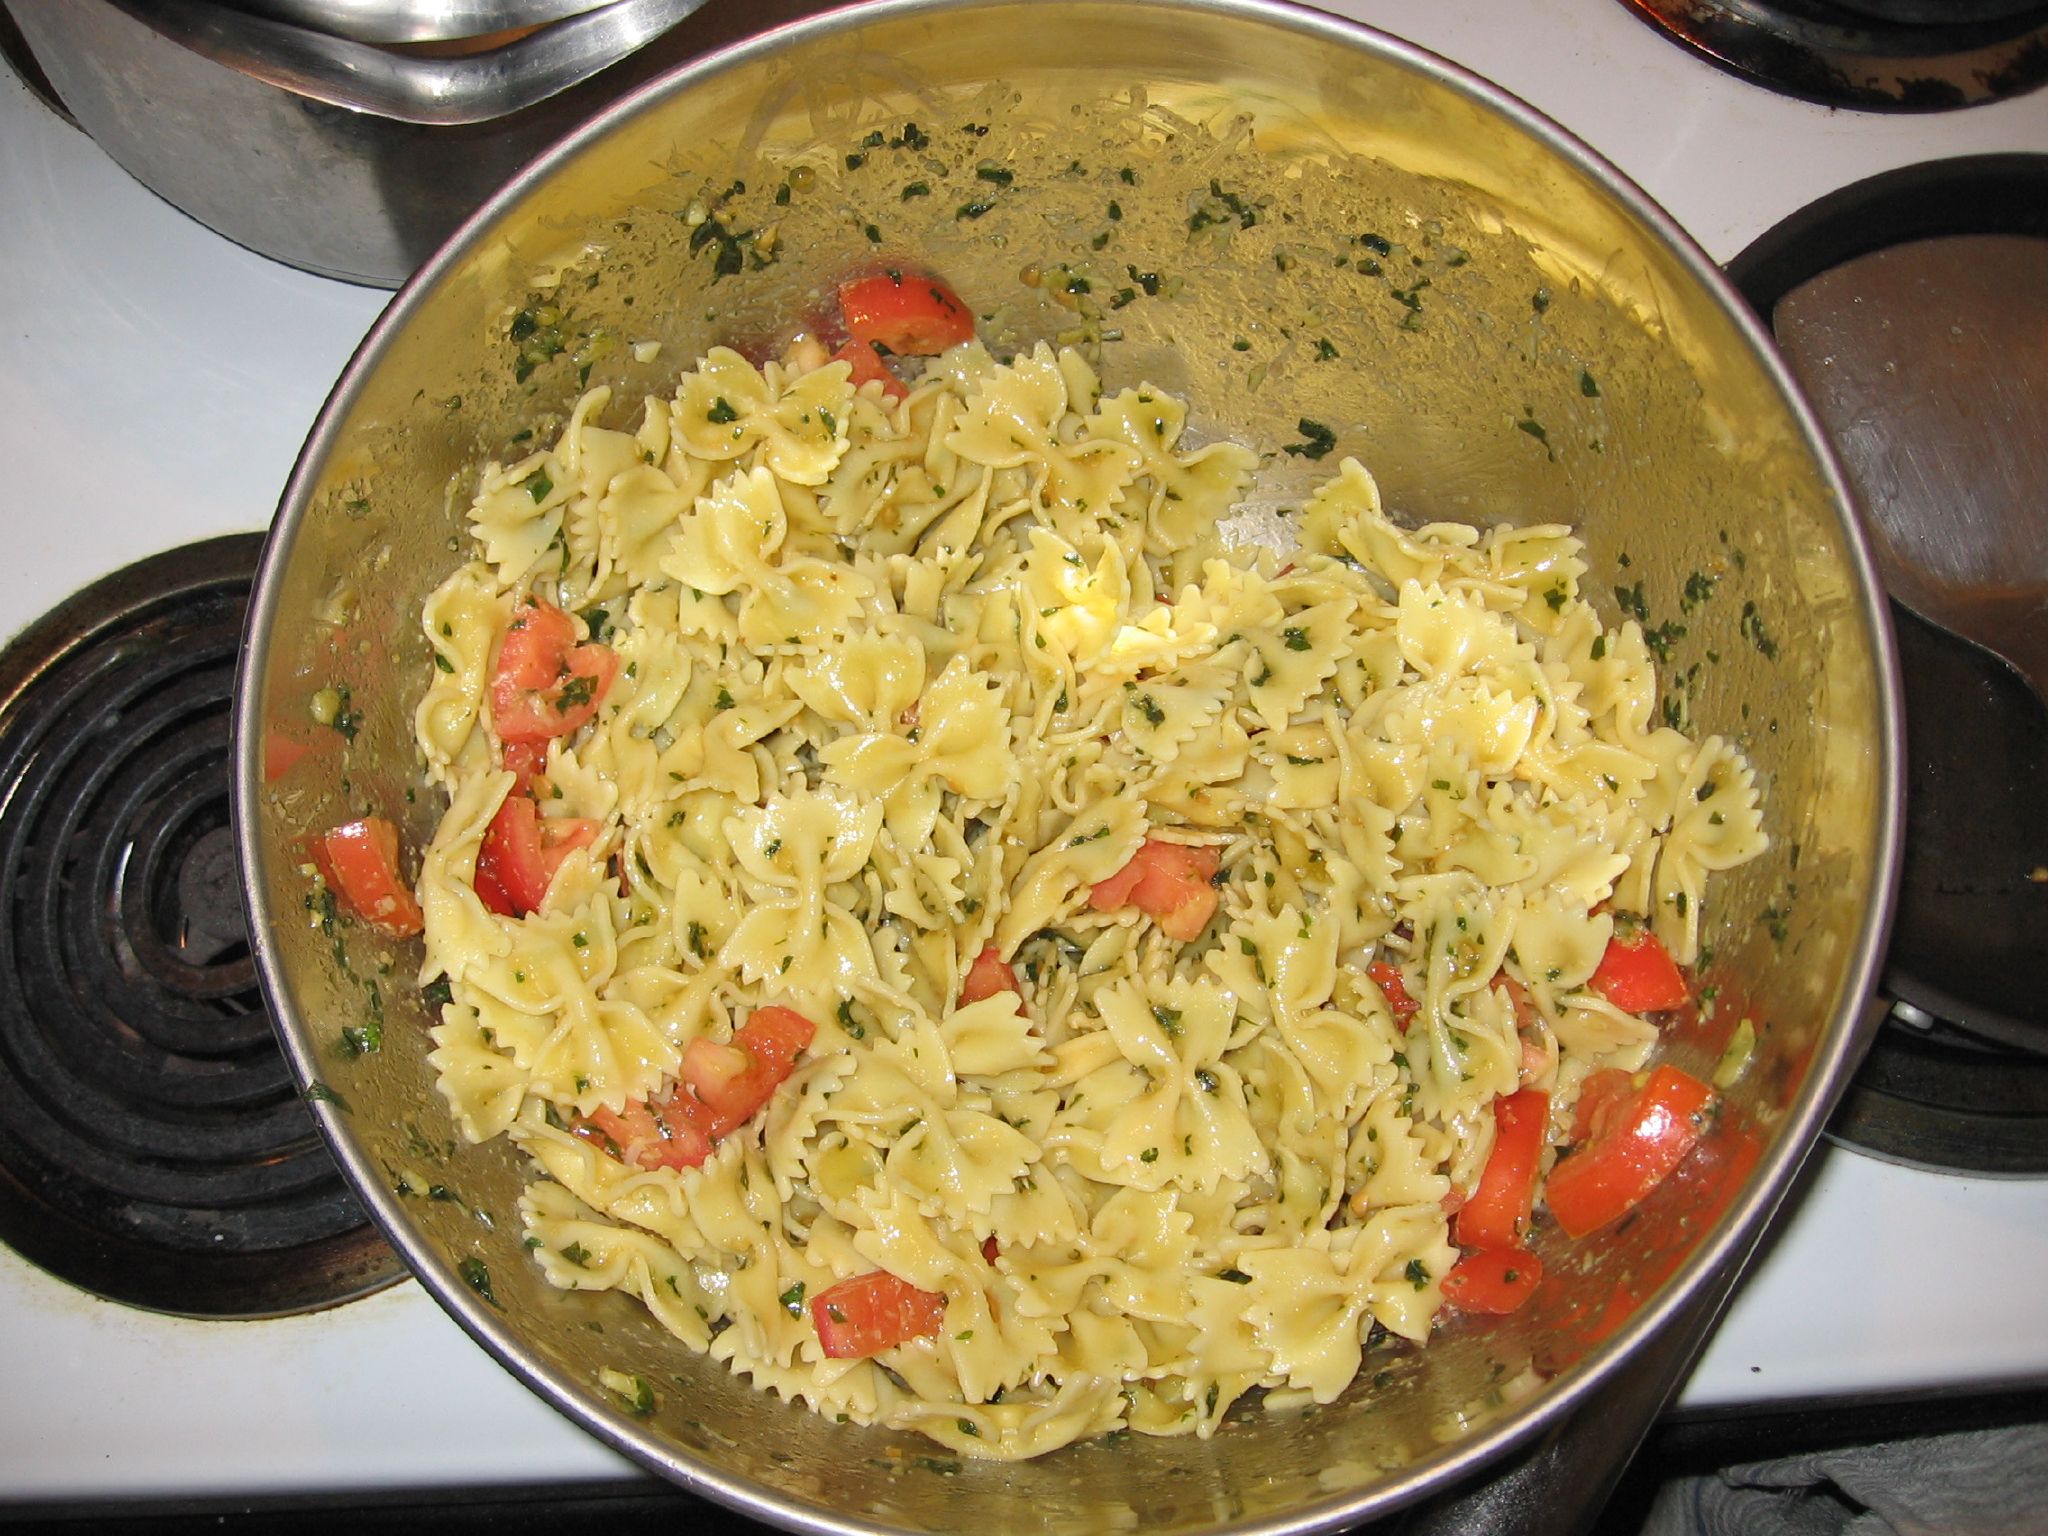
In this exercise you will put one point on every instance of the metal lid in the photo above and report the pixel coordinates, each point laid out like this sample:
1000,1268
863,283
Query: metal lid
416,21
443,86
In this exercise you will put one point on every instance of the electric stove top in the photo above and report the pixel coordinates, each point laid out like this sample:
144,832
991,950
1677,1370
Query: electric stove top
155,384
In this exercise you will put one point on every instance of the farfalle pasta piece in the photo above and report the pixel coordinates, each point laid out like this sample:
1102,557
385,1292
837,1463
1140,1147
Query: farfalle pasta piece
463,618
1012,422
1186,1125
794,425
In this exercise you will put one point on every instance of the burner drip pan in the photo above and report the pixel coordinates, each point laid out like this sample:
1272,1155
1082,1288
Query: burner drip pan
1877,55
152,1147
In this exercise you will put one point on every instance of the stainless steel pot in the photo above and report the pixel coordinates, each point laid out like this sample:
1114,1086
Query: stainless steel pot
1574,358
329,152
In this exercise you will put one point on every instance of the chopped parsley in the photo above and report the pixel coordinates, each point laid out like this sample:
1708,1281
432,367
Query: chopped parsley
1317,440
477,1276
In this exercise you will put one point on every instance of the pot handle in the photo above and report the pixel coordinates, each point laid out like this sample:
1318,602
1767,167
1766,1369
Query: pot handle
1559,1485
413,88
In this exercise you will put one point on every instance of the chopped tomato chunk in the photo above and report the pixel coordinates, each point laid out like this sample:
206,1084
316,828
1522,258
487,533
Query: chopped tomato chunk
1634,1145
724,1086
284,750
526,761
359,862
1637,973
912,314
547,685
1598,1096
1387,977
870,369
989,974
1497,1215
520,853
1493,1280
645,1136
866,1314
1170,883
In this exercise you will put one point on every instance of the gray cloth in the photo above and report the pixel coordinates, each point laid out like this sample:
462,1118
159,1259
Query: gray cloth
1990,1482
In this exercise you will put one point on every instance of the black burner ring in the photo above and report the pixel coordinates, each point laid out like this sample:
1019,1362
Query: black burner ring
152,1147
1875,55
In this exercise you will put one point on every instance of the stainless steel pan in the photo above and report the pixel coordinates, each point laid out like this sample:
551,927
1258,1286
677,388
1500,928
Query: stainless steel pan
1573,358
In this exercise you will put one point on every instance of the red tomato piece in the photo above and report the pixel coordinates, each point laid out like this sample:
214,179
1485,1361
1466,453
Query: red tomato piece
1598,1096
868,368
491,893
989,974
1638,974
1108,895
546,685
359,862
282,753
911,313
526,761
1497,1215
1493,1280
1170,883
1635,1145
724,1086
643,1137
520,853
990,1249
1387,977
866,1314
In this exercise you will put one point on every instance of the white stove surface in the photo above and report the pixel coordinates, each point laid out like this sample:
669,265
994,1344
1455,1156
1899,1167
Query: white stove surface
155,384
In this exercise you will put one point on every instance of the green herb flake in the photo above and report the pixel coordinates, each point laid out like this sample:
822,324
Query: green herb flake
362,1039
1296,639
793,1300
1752,627
848,1022
477,1276
1317,441
721,412
1417,1274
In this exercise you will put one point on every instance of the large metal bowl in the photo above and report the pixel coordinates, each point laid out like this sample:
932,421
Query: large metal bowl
1573,357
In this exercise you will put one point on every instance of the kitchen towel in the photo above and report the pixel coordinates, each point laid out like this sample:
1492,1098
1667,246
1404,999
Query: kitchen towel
1991,1482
